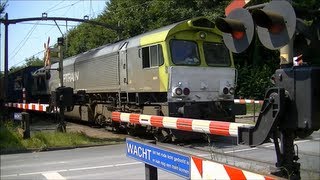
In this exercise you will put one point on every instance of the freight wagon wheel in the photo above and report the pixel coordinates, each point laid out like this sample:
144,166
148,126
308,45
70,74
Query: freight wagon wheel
163,135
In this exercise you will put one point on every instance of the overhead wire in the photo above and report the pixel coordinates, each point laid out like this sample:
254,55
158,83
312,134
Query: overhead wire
70,6
51,9
54,6
32,56
65,6
22,43
26,38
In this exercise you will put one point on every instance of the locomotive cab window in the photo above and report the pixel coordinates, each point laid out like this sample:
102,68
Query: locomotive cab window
184,52
152,56
216,54
18,84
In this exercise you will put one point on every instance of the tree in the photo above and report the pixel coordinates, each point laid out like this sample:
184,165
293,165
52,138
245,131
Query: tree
34,61
130,18
3,6
31,61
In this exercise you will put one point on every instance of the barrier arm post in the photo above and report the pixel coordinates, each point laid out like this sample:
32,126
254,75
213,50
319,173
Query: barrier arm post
151,172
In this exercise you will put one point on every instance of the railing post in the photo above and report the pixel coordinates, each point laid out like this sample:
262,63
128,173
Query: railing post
254,111
151,172
26,125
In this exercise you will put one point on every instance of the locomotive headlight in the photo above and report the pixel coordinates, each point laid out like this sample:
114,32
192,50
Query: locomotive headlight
178,91
225,90
202,35
231,91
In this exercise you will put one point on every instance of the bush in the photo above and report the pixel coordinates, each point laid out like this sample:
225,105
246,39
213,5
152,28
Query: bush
253,81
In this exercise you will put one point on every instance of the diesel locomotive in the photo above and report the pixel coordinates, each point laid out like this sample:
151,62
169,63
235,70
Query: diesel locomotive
180,70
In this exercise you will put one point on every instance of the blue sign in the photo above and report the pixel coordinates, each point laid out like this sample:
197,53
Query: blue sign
169,161
17,116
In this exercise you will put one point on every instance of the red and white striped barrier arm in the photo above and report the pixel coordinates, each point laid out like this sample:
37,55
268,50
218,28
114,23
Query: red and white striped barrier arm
247,101
205,169
184,124
30,106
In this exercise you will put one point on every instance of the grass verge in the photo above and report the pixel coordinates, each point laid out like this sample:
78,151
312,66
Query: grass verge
251,108
12,141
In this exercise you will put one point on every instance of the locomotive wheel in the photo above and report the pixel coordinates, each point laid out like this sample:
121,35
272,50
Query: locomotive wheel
163,135
100,120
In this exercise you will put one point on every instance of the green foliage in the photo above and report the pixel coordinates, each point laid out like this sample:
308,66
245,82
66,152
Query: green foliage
253,81
85,37
307,4
3,6
130,18
31,61
11,140
9,137
34,61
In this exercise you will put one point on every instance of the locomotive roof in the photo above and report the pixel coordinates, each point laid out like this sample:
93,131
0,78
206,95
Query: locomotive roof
162,33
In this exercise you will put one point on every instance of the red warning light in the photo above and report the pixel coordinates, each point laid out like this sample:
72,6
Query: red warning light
238,34
276,28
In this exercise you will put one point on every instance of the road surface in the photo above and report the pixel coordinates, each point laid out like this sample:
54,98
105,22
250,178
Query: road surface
110,162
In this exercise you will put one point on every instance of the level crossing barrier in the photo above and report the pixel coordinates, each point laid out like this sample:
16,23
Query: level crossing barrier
184,124
247,101
29,106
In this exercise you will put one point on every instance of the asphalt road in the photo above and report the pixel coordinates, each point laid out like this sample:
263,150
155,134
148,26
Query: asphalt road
110,162
104,162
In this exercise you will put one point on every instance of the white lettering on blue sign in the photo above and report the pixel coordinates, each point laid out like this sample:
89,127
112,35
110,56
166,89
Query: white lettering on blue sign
165,159
139,151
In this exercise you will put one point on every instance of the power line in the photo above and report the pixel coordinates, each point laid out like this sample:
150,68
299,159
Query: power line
31,56
62,15
54,6
23,40
26,39
65,6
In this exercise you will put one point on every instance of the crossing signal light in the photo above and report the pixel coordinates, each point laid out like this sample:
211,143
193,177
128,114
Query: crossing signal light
276,24
237,30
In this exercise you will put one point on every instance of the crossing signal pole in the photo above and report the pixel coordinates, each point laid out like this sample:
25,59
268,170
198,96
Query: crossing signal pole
292,106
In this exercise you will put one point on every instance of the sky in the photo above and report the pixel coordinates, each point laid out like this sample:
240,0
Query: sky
27,38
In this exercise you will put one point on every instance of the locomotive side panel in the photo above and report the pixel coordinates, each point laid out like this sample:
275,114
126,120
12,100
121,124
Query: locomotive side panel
54,79
98,74
141,79
69,75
